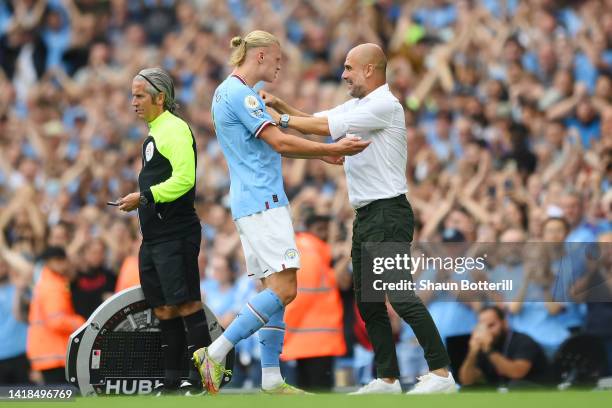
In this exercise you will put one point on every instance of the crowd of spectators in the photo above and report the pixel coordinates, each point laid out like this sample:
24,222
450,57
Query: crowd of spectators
509,124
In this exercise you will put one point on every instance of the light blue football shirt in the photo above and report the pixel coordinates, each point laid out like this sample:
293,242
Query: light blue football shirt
239,115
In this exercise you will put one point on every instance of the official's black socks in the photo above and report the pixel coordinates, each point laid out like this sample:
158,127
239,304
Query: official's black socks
173,348
198,336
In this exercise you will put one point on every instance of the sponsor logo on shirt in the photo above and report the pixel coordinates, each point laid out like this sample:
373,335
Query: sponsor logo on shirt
258,113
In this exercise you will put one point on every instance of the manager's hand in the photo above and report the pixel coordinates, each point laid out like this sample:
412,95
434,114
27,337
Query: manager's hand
268,98
130,202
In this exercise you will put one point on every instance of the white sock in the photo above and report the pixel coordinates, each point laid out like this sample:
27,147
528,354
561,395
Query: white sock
270,377
219,348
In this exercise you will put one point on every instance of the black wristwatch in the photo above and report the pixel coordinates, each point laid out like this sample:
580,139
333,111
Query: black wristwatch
284,120
143,199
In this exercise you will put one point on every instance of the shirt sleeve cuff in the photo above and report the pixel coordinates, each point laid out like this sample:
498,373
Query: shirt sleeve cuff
263,126
337,127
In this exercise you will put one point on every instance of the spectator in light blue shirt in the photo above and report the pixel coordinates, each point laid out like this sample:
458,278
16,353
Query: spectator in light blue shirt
219,290
567,265
587,123
532,312
439,15
573,212
56,34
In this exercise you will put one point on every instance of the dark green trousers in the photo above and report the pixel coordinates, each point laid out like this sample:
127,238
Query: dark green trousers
392,220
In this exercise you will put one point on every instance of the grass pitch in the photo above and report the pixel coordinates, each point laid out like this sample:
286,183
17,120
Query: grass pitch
484,399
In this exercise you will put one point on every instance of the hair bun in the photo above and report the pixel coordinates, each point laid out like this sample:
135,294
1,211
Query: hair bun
236,41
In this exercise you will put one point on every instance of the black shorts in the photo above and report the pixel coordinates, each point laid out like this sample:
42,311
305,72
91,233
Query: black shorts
169,272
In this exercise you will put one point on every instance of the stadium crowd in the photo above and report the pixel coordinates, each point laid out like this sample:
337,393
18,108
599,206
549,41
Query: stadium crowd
509,116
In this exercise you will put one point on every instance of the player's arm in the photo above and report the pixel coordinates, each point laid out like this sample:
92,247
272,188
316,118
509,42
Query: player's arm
182,159
289,145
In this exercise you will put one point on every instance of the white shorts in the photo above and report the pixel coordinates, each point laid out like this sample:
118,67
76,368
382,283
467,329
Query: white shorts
268,241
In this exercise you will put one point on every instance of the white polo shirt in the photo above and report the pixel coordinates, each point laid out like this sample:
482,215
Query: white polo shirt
380,170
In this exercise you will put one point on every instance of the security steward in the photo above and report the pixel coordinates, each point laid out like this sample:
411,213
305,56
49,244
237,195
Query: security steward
314,334
171,231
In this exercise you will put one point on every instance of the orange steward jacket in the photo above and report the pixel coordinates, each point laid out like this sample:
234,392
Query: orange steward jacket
314,319
52,320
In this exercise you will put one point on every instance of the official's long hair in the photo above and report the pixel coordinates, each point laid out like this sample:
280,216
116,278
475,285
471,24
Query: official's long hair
159,81
254,39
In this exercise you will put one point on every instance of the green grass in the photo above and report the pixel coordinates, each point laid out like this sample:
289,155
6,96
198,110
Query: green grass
488,399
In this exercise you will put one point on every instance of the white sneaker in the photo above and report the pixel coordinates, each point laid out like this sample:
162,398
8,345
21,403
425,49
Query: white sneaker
379,386
431,383
190,390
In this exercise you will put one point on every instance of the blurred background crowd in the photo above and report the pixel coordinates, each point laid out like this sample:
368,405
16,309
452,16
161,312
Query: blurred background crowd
509,124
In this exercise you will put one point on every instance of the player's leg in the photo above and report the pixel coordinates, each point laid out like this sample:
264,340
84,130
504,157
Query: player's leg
269,248
260,309
272,334
270,253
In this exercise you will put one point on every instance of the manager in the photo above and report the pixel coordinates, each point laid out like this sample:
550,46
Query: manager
377,188
171,231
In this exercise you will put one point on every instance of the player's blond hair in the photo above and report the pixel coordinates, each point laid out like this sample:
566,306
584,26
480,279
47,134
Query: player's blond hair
254,39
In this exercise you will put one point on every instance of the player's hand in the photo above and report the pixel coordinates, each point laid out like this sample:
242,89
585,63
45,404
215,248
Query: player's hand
130,202
349,146
268,98
336,160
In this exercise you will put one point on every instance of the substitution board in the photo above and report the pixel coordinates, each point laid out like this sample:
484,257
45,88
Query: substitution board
118,350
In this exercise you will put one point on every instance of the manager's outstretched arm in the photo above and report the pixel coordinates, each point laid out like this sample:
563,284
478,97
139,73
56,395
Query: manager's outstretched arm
293,146
300,121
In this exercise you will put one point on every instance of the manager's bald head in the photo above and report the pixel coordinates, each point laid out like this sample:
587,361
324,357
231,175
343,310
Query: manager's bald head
370,53
364,69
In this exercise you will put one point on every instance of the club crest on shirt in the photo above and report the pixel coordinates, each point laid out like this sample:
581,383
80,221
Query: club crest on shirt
149,151
291,254
251,102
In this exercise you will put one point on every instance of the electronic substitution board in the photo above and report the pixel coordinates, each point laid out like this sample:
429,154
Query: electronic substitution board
118,350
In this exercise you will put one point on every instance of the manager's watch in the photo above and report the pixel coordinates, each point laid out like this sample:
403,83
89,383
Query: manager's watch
284,120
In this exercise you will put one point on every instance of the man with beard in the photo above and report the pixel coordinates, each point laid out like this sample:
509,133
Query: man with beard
499,356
